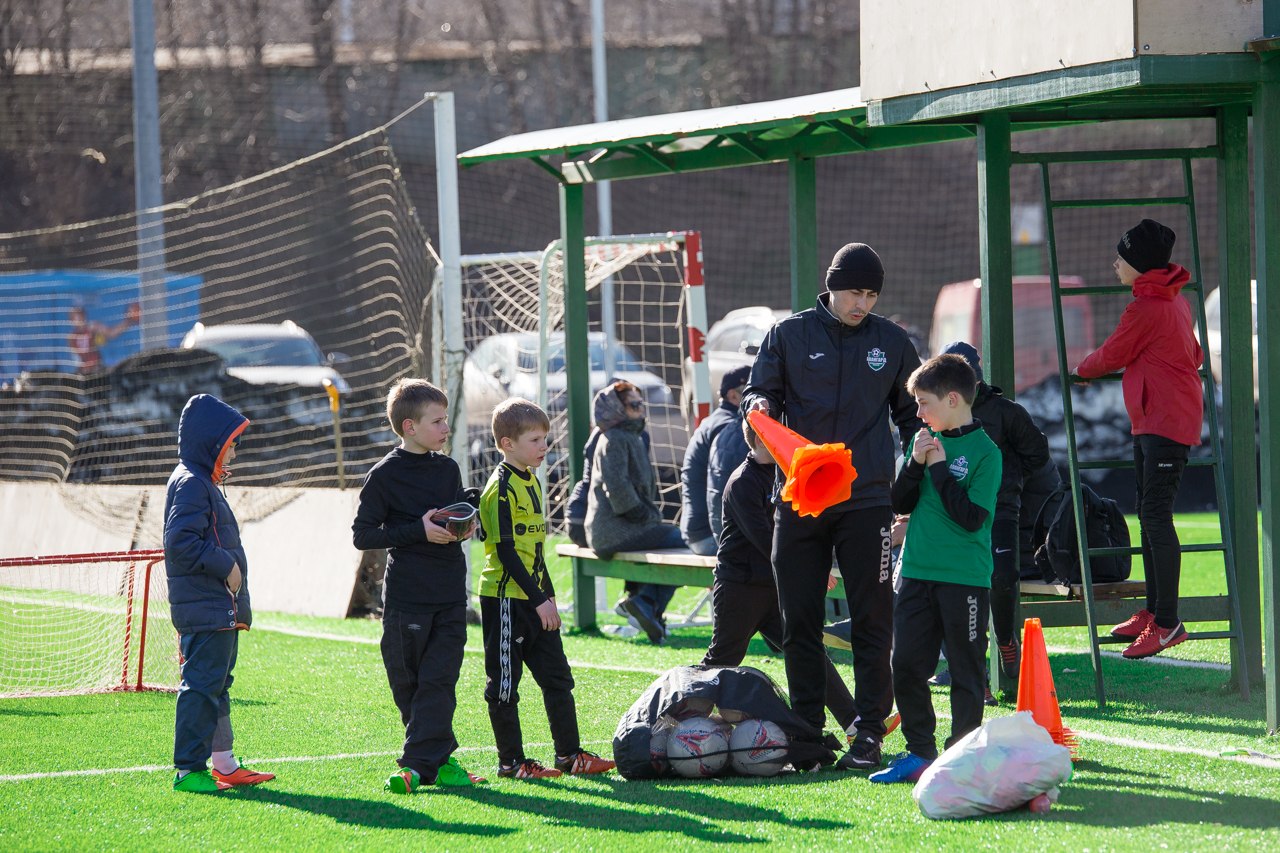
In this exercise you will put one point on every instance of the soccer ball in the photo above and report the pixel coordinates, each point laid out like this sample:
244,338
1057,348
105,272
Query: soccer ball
658,739
729,715
698,747
758,748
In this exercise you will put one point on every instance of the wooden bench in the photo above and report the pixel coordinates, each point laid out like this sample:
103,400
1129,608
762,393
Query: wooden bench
674,566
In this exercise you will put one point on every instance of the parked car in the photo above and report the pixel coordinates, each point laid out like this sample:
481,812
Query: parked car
265,353
732,341
1213,322
957,316
506,365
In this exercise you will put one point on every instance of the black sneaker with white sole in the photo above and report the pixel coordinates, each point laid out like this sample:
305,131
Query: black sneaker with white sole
863,754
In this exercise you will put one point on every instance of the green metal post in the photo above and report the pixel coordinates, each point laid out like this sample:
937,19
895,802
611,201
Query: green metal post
995,241
577,366
1236,306
1266,172
802,185
995,250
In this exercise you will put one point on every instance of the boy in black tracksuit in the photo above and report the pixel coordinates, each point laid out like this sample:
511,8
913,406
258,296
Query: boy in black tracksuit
837,373
744,599
948,484
1024,451
424,620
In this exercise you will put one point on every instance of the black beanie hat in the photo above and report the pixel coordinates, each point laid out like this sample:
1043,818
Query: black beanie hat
856,267
965,350
1147,246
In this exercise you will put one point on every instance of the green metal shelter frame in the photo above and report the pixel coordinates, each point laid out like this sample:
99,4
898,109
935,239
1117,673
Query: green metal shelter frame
796,131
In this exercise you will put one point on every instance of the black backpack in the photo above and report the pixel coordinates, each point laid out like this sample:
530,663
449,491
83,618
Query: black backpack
1057,556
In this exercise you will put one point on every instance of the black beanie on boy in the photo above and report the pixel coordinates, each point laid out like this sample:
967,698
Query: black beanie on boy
856,267
1147,246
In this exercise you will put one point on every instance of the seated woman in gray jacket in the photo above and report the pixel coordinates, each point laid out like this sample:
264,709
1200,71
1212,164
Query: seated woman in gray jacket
622,509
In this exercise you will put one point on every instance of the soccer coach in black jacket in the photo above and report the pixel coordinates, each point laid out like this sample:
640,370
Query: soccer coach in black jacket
837,372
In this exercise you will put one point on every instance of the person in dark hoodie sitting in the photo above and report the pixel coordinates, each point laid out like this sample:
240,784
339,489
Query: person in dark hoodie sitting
622,509
1024,452
207,572
700,531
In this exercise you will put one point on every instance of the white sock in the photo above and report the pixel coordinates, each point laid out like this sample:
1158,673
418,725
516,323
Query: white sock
852,731
182,774
225,763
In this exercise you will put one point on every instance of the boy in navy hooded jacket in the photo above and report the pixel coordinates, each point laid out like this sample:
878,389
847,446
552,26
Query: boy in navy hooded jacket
208,597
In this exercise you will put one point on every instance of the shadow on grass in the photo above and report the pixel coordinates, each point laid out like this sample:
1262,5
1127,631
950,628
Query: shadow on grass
1116,796
375,814
1150,695
677,807
27,712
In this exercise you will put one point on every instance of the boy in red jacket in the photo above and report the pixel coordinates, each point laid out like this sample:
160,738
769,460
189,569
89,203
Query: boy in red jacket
1156,347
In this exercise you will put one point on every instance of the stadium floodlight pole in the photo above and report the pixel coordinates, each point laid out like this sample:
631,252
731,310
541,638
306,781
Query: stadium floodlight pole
148,199
604,190
451,262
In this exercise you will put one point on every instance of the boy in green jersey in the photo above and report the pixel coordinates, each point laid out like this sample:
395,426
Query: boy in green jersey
517,602
949,485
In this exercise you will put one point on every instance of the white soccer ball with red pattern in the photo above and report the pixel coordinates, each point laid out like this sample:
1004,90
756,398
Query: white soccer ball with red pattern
698,747
758,748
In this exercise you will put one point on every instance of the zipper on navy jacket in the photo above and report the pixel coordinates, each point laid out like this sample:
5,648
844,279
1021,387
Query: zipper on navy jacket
218,539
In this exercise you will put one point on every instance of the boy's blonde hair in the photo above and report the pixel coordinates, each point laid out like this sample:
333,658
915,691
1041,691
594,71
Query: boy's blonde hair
943,374
514,417
407,399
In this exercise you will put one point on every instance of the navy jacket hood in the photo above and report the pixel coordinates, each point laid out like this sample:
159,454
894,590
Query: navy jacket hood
203,430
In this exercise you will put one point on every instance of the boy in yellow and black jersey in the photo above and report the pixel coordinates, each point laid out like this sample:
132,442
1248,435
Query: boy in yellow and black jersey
517,602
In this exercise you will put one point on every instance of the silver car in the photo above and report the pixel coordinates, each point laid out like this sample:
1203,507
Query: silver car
506,365
731,342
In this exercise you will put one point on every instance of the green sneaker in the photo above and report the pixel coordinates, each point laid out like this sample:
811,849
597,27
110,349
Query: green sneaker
198,782
404,781
452,775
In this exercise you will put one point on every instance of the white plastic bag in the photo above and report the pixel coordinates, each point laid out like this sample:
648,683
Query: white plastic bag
995,768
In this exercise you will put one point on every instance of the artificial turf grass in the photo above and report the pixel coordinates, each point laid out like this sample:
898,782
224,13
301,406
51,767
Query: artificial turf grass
297,696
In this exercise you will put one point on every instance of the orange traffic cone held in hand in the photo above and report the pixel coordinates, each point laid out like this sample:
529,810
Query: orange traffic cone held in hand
1036,692
817,475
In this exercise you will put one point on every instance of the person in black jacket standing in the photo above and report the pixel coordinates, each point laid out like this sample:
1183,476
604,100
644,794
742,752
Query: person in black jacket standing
744,599
837,373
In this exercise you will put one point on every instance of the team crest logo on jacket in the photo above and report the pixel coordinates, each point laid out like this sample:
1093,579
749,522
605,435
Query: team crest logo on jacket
959,467
876,359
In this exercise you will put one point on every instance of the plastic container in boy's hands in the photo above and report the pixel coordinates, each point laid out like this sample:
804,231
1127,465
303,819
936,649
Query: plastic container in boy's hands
456,518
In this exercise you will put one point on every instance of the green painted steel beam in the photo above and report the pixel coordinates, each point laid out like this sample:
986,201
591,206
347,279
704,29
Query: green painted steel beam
1266,171
821,143
995,249
1240,466
577,364
1122,80
802,190
1117,156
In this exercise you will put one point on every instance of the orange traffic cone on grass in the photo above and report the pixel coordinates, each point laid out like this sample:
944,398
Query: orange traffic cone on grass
817,475
1036,692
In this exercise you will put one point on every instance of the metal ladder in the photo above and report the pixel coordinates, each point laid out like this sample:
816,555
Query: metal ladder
1212,606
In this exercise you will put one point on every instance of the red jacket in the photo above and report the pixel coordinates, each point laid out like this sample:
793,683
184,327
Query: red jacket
1155,346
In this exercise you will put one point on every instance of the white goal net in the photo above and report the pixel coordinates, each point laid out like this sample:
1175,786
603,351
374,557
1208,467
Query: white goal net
86,623
513,309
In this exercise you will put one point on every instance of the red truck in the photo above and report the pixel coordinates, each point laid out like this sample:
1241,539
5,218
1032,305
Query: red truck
957,316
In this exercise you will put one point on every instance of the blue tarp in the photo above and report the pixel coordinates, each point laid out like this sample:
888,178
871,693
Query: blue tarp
36,323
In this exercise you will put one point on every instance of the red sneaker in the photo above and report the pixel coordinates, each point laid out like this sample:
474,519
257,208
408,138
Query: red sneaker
243,776
1155,640
1132,628
527,769
584,764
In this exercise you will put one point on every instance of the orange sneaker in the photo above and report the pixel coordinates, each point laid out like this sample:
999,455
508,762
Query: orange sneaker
243,776
583,763
527,769
1132,628
891,722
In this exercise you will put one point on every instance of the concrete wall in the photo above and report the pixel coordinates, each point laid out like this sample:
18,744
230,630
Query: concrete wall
298,540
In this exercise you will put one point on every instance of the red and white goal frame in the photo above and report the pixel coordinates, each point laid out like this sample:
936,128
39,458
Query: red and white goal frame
73,624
